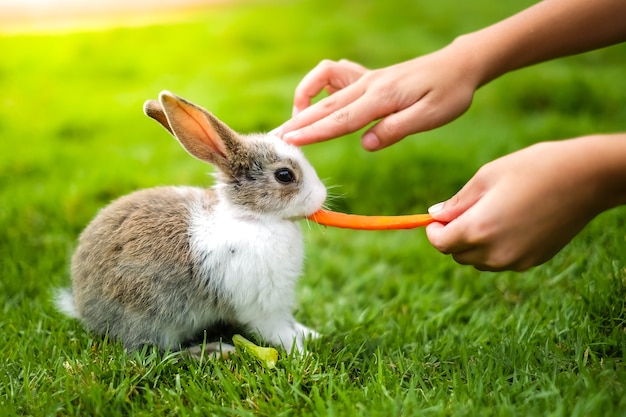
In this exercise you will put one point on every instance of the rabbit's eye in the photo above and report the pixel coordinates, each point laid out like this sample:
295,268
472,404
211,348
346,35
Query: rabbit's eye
284,175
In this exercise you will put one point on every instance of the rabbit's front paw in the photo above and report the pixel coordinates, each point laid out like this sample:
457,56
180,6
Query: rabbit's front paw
214,350
305,333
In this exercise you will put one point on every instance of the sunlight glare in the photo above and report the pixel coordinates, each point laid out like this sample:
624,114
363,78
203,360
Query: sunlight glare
45,16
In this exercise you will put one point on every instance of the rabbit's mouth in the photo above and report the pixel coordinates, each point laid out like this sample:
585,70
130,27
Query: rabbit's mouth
315,201
303,214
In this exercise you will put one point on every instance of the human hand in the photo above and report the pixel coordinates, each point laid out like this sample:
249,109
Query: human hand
409,97
432,90
520,210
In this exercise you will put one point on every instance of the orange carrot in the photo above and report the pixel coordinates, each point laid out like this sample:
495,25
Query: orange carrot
355,221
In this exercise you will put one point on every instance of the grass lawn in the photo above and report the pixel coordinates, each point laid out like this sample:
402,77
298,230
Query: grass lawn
406,330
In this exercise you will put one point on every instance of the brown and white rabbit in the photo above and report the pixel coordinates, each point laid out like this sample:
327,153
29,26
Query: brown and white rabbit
160,265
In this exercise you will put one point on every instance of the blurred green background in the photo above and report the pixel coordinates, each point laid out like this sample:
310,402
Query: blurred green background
73,137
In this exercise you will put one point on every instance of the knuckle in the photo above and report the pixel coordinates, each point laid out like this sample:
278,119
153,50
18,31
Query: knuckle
493,265
503,259
341,116
329,103
480,232
327,65
390,129
453,202
525,263
521,267
462,259
352,66
484,268
440,244
443,248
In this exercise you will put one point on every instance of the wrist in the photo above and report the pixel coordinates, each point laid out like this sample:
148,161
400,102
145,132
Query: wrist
465,55
595,169
489,53
606,157
475,60
544,31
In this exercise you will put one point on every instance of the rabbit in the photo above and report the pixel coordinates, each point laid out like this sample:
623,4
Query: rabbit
159,265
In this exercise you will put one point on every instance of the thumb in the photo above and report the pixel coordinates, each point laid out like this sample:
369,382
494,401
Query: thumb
449,210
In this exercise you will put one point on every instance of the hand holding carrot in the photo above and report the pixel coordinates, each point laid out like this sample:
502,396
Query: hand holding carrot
520,210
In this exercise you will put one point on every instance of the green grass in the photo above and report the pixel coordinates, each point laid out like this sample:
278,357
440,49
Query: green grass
407,331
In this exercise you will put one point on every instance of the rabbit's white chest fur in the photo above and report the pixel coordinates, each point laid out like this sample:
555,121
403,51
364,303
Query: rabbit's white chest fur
254,261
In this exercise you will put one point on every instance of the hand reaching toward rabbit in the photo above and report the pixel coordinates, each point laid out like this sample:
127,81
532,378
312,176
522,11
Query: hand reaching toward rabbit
520,210
409,97
434,89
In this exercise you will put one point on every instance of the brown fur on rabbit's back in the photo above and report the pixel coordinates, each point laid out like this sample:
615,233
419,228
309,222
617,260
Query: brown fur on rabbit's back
132,262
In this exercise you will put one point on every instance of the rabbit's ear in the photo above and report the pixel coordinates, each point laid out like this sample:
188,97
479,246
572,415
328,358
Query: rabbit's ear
200,133
152,108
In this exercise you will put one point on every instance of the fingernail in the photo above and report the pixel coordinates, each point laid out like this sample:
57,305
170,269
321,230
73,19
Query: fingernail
290,136
370,141
294,111
435,208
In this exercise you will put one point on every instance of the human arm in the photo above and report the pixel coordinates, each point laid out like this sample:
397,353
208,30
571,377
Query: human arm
520,210
429,91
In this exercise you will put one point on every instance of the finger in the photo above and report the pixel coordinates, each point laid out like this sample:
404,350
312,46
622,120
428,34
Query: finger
467,225
447,239
471,256
459,204
323,108
311,85
483,259
389,130
345,119
480,253
329,75
420,116
462,252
